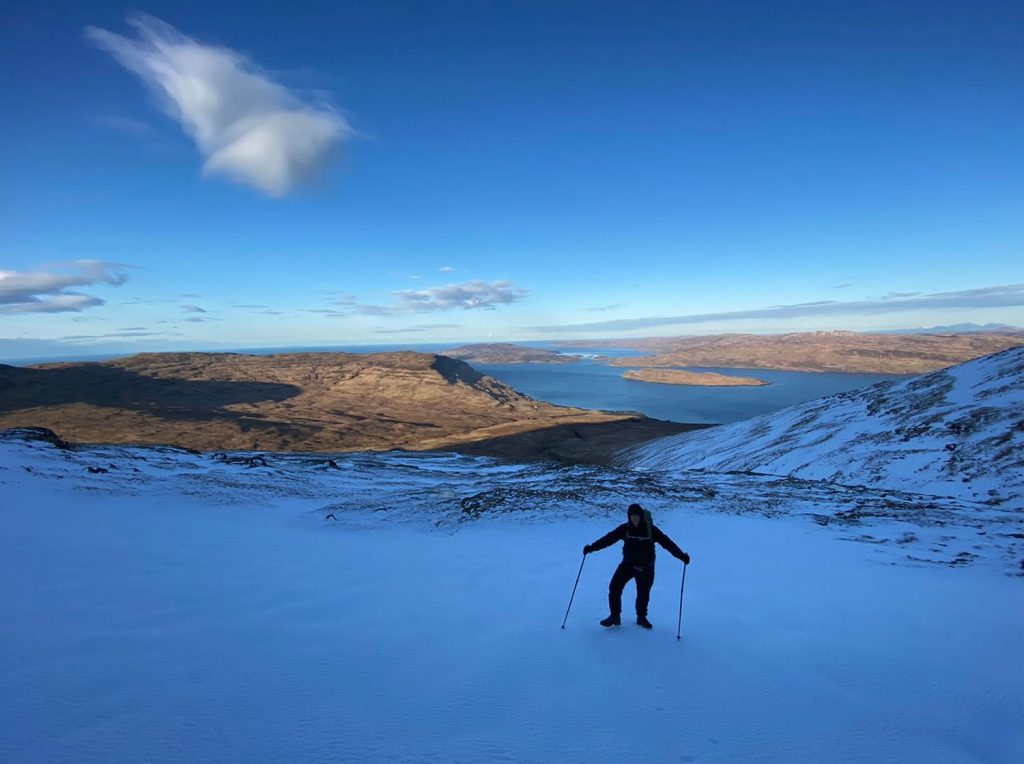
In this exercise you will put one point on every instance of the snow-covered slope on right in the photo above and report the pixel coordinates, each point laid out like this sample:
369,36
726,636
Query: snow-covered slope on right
955,432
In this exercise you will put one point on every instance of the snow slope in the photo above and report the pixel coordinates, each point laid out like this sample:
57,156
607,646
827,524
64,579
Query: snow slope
958,432
396,607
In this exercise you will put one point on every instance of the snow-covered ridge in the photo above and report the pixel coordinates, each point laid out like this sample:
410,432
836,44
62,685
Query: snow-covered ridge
445,491
958,432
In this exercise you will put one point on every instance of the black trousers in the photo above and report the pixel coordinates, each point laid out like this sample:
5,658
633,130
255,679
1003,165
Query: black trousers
644,581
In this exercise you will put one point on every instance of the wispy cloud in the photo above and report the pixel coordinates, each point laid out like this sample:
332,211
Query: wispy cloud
472,295
193,309
149,301
123,334
603,308
329,312
1010,295
126,125
51,292
364,309
353,305
418,328
246,126
446,269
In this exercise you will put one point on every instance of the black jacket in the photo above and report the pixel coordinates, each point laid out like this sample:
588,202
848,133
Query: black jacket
638,549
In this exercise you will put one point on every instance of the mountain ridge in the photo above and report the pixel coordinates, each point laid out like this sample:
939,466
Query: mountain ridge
958,432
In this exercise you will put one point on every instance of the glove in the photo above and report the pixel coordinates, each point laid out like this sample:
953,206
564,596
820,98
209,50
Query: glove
588,549
685,558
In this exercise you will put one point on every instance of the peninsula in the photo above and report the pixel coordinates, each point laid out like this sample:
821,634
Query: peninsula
317,402
700,379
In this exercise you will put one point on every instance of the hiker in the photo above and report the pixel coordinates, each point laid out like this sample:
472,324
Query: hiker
638,537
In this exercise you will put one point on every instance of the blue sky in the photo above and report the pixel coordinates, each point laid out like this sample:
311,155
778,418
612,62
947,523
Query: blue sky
246,174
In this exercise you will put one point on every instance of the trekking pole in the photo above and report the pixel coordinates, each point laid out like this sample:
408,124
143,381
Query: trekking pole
574,591
679,627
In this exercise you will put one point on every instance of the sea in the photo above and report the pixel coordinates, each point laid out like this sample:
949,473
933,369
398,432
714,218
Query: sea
595,385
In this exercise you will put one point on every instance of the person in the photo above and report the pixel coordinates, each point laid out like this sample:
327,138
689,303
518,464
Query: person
638,535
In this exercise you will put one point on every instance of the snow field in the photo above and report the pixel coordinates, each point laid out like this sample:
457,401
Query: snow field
164,629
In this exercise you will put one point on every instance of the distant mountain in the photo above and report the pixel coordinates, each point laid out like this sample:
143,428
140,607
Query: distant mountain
507,352
957,432
816,351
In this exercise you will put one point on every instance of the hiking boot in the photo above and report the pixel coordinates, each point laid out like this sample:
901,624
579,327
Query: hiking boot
641,620
612,620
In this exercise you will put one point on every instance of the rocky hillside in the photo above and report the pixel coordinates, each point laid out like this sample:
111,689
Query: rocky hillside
956,432
296,402
818,351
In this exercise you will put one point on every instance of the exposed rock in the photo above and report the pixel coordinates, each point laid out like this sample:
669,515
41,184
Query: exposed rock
33,433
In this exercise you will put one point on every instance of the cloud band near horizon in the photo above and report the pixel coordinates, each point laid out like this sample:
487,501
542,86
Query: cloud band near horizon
1010,295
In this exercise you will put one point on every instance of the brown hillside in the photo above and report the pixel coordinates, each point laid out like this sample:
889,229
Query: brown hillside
816,351
292,402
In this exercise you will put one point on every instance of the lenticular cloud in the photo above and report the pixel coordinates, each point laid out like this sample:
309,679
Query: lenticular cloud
247,127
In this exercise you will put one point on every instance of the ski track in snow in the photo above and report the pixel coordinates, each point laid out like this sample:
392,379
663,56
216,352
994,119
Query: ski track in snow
186,607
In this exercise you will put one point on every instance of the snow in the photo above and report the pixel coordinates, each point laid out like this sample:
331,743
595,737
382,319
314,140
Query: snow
956,432
182,607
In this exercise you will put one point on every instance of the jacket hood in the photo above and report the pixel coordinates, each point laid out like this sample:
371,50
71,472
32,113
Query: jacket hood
636,509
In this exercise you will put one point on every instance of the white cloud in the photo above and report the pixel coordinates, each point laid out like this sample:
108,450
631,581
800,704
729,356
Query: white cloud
48,292
193,309
247,127
468,296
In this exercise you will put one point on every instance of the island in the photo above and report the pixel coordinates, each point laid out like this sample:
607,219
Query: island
700,379
506,352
